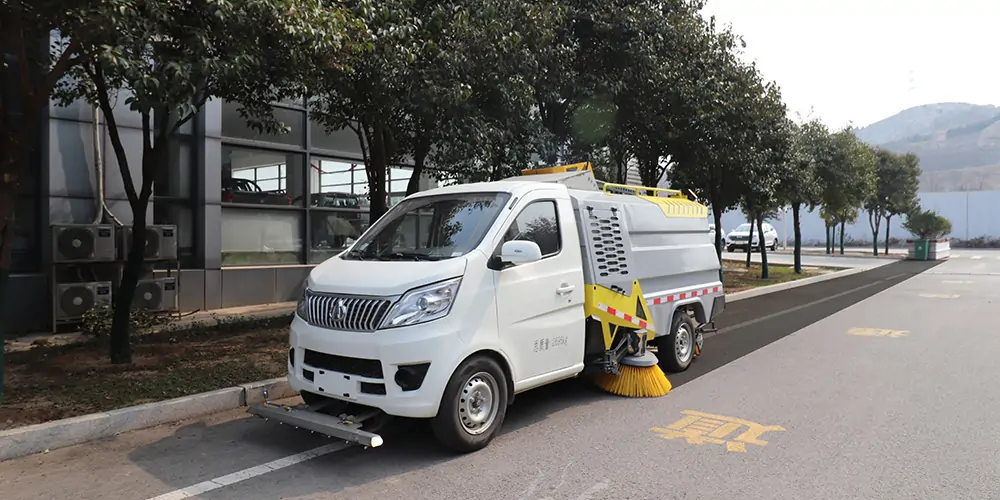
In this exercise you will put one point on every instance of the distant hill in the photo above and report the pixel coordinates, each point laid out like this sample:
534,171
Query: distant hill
958,143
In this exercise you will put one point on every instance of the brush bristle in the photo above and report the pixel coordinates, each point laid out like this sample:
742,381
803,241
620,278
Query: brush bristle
635,382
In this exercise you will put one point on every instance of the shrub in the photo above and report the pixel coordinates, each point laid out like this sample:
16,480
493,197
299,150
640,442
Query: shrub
927,224
97,321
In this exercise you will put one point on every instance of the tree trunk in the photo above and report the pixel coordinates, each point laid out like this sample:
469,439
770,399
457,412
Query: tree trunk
420,153
798,238
763,247
750,239
717,216
377,173
888,220
842,224
874,221
829,242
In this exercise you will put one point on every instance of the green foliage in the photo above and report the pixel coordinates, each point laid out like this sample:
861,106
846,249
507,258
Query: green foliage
927,224
167,58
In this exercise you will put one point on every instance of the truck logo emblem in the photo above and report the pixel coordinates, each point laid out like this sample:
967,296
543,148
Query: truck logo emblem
339,311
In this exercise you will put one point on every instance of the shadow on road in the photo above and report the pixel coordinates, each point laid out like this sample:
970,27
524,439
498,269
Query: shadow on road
746,326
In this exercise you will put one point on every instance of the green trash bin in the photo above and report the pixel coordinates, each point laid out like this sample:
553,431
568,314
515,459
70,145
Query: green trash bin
921,249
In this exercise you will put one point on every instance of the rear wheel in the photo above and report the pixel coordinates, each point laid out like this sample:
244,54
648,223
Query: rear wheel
676,350
473,406
774,245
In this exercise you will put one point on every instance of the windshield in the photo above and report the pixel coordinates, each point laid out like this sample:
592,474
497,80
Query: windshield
742,228
430,228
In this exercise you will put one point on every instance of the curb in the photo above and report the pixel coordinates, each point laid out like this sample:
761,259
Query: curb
28,440
779,287
38,438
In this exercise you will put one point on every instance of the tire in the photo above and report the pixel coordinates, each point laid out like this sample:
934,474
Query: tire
774,245
668,346
730,249
455,424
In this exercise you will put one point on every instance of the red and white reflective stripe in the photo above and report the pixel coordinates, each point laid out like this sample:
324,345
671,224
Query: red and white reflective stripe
627,317
685,295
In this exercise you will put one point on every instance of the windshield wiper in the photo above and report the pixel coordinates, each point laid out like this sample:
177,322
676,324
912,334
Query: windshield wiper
410,255
356,254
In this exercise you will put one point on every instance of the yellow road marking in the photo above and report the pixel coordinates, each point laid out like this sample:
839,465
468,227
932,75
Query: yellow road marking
700,428
940,295
877,332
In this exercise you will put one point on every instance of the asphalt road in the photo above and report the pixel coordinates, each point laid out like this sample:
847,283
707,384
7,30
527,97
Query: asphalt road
868,386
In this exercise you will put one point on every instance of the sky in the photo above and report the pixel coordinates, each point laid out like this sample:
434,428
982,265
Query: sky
859,61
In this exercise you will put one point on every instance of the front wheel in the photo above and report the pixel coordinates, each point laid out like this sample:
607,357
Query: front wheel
473,406
676,350
774,246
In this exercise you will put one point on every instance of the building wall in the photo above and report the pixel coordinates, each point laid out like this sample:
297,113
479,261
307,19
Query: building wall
231,253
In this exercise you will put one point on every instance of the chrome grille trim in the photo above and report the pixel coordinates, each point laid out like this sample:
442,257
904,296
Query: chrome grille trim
363,314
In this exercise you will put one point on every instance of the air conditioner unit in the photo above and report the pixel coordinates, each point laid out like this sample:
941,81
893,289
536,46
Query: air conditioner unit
83,243
161,242
158,294
72,300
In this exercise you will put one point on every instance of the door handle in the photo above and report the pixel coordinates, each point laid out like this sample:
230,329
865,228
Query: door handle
565,288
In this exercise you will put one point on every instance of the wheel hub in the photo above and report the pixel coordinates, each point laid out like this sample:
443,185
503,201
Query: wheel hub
477,403
682,343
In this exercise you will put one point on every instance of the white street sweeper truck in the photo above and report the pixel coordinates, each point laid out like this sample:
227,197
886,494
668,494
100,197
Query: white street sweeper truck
462,296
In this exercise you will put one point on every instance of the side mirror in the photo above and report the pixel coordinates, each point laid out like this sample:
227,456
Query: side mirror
520,252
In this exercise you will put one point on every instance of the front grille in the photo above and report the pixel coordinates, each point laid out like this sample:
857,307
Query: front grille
370,368
345,312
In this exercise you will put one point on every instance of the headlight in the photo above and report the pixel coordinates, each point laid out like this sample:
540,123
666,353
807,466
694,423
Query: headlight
423,304
300,307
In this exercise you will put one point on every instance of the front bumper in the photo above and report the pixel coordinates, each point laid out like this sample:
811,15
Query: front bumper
401,371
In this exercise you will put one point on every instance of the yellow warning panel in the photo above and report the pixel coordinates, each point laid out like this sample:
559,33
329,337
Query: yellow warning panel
705,428
678,207
877,332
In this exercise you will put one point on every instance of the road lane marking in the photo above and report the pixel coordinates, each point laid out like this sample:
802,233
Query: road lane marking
976,257
940,295
952,282
799,307
251,472
700,428
877,332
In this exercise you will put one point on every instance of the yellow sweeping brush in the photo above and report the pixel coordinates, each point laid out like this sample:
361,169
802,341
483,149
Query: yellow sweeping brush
635,382
639,376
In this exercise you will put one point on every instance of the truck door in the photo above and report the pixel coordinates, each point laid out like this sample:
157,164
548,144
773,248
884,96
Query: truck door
540,304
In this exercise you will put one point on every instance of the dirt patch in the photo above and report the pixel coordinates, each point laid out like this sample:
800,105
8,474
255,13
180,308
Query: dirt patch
738,277
50,383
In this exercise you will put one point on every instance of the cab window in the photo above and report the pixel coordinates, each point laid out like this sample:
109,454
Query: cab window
538,222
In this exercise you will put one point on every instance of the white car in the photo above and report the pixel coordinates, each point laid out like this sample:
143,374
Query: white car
741,238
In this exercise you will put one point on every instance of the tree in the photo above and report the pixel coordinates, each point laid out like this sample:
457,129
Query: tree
902,195
713,108
769,150
170,58
847,178
798,187
888,173
30,67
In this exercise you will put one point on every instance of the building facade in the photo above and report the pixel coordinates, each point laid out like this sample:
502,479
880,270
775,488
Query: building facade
254,212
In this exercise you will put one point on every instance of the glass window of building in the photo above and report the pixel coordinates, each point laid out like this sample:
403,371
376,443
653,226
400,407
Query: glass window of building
236,127
261,177
261,237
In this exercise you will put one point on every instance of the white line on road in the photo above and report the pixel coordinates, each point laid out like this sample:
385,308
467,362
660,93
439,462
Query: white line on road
976,257
252,472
